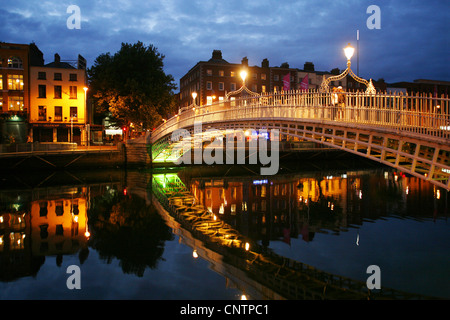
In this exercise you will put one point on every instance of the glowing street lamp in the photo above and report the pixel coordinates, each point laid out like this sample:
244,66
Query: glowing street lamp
243,76
348,51
194,96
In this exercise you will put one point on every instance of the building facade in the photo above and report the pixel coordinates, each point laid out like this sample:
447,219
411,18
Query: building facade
58,103
212,80
15,61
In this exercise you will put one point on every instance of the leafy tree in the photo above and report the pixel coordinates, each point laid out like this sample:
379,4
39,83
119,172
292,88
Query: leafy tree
132,85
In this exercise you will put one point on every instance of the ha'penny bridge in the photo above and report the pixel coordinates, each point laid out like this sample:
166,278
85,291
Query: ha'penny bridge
217,242
407,132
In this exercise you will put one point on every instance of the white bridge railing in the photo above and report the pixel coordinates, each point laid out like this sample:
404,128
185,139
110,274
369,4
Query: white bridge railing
422,115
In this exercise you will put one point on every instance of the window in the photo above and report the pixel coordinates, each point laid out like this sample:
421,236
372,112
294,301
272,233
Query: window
42,91
209,72
73,92
221,86
255,76
1,82
276,77
15,63
42,113
15,82
15,103
58,92
208,85
57,76
233,86
73,77
254,88
73,113
58,113
42,75
232,74
221,73
263,88
263,76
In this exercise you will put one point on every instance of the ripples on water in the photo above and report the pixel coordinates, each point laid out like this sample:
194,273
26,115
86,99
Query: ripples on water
339,220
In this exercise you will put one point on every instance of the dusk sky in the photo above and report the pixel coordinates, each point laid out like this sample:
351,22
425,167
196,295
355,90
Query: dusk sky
411,43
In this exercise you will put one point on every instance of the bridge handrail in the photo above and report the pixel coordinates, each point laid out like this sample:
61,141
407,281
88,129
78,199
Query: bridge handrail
420,114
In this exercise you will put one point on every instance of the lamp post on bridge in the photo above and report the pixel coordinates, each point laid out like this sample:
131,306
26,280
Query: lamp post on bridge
348,52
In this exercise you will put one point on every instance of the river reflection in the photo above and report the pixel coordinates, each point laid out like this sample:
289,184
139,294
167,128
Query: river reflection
334,219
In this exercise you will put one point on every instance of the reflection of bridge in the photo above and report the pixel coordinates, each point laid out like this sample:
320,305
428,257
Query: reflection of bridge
267,273
410,133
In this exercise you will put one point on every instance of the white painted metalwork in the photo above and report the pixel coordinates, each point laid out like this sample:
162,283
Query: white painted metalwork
409,132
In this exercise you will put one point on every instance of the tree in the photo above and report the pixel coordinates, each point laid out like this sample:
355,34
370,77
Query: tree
132,85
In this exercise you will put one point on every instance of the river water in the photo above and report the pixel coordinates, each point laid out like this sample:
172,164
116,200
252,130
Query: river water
339,218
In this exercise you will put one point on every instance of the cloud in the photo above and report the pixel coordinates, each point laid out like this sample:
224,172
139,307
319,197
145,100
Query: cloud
412,42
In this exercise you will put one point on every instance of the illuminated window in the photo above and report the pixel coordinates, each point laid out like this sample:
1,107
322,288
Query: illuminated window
15,103
15,63
221,73
209,72
263,88
1,82
209,100
263,76
15,82
232,74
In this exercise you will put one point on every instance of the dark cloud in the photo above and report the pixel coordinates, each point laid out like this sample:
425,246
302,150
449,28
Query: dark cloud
412,43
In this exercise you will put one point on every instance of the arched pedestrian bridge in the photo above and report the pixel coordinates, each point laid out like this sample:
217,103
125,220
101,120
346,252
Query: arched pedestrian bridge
407,132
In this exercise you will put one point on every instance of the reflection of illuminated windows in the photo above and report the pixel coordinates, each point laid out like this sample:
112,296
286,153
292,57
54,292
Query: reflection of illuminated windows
244,205
16,240
263,191
234,193
59,208
43,209
208,194
43,231
75,208
59,230
276,190
222,209
222,193
263,205
1,243
233,209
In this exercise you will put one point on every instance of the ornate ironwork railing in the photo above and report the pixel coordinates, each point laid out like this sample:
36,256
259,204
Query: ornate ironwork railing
422,115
